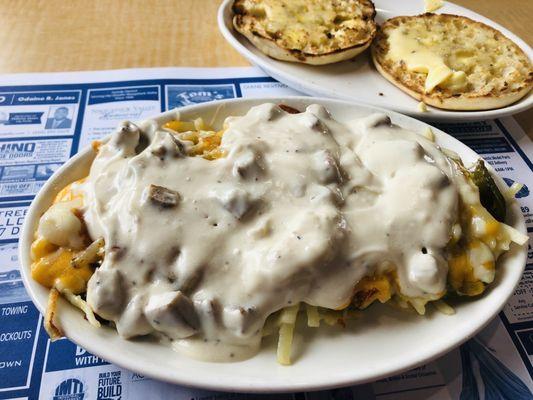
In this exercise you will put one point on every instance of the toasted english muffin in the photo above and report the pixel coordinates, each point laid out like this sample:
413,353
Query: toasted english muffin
308,31
452,62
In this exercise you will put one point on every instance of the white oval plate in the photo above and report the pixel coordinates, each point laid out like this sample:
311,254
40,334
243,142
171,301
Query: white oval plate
358,80
381,343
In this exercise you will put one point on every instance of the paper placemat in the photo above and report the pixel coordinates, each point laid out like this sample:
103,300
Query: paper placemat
495,364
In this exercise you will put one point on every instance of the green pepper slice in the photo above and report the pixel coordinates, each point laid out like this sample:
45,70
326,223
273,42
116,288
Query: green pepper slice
490,196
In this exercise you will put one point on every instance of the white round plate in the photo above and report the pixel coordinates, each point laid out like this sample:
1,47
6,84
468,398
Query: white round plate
384,341
357,79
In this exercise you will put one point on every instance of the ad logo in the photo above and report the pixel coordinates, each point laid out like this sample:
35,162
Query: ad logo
109,386
70,389
27,148
183,95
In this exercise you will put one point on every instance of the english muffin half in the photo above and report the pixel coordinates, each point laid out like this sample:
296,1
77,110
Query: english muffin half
452,62
307,31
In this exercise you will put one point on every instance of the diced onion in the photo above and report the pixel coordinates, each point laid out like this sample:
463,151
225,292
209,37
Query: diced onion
511,192
515,235
89,255
78,302
451,154
419,305
443,307
428,134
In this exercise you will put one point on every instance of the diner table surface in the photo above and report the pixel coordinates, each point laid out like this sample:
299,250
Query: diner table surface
81,35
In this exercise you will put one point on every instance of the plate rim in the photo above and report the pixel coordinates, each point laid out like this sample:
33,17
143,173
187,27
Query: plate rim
252,385
268,65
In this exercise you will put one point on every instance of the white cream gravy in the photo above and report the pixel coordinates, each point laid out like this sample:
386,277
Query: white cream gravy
299,210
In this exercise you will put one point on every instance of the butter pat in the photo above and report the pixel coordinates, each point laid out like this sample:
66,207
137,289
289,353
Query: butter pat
437,75
456,81
432,5
420,53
